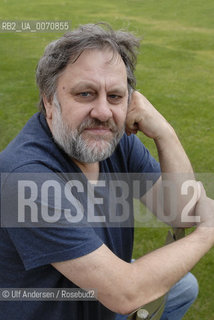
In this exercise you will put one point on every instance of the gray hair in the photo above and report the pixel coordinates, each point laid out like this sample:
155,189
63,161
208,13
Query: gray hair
69,47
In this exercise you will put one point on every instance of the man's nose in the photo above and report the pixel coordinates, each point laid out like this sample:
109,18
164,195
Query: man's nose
101,109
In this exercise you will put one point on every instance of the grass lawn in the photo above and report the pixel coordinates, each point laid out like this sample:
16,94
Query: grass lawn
175,71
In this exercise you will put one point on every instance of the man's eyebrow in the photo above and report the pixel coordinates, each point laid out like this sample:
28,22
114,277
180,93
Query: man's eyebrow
83,85
120,90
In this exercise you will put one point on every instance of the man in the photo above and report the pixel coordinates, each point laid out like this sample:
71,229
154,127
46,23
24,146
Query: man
86,87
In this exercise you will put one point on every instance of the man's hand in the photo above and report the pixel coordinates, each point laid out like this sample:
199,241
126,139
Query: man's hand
144,117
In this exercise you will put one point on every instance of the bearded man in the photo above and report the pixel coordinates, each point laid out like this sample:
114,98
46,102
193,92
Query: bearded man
87,124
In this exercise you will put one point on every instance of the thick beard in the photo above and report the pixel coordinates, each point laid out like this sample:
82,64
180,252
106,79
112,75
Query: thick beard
77,147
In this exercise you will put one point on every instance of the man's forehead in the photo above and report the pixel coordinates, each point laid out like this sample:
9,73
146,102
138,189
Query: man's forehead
95,64
110,55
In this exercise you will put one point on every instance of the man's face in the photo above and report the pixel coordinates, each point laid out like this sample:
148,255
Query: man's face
93,97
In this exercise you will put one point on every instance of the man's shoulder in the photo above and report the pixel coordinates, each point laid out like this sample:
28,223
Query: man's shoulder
33,145
132,156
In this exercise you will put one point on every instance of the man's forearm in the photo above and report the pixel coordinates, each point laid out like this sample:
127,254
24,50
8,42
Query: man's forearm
123,287
176,170
159,270
172,156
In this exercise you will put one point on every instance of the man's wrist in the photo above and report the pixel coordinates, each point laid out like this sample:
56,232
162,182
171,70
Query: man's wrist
206,234
166,136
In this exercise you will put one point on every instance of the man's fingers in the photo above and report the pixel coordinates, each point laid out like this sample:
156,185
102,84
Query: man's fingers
131,124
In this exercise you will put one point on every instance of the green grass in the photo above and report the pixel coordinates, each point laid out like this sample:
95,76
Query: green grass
175,72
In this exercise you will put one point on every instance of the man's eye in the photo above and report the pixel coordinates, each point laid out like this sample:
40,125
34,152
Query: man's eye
85,94
114,98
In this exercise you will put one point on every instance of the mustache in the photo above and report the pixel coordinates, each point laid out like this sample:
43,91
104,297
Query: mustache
95,123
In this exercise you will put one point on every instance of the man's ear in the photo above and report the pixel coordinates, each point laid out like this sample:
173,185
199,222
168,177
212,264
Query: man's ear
48,107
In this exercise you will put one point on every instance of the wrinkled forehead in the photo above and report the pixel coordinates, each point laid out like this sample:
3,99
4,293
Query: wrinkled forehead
93,63
96,68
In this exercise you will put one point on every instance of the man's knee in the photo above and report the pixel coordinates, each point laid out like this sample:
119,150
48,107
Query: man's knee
191,287
180,298
184,292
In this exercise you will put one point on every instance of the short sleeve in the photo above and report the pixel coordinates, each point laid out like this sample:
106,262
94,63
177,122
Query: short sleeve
36,238
41,246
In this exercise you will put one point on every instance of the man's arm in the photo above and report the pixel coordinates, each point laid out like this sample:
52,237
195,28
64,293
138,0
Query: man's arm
123,287
175,165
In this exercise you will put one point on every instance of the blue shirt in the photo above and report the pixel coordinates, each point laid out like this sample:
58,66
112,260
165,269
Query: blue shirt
26,254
